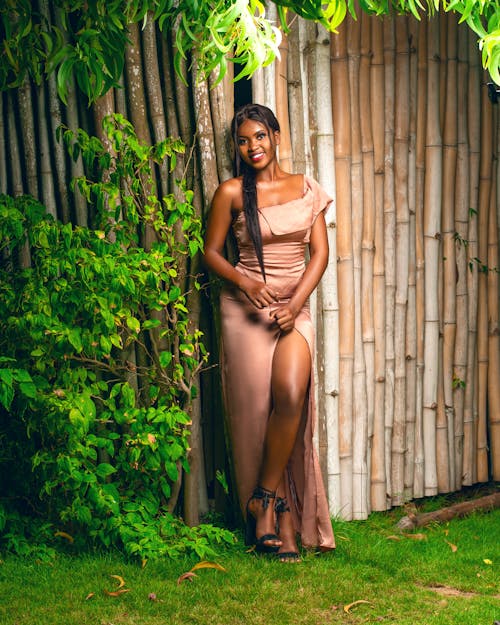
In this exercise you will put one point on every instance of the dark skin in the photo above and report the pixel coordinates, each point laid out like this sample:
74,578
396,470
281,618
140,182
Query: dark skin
291,368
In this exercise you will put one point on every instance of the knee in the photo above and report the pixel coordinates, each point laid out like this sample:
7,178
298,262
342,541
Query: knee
289,401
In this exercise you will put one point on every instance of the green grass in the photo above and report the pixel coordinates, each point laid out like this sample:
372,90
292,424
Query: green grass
399,578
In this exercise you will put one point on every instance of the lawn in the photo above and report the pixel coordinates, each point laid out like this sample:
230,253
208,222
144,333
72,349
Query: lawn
439,575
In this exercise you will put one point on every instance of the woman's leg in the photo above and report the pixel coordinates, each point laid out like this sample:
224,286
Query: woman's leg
290,379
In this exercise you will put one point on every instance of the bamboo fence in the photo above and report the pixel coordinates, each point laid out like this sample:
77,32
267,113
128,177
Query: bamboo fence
392,117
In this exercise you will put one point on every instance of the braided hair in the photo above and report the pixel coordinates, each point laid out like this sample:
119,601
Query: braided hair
264,115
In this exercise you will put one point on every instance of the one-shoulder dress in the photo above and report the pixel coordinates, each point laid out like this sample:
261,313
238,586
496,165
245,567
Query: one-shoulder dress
249,337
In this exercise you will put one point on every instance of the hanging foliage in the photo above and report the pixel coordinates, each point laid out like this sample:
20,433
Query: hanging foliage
90,41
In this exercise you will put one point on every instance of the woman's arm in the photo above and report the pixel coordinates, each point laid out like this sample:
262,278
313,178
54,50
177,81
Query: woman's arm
219,222
318,248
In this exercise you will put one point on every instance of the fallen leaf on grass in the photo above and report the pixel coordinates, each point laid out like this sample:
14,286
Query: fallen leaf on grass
393,537
186,576
65,535
201,565
208,565
89,596
487,561
116,593
348,607
120,579
417,536
452,546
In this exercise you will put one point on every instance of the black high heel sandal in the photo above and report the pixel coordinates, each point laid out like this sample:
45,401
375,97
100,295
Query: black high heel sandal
250,530
280,507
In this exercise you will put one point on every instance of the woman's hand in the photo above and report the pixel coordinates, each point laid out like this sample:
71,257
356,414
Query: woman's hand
258,292
285,318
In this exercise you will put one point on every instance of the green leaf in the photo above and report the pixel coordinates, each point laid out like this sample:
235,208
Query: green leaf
104,469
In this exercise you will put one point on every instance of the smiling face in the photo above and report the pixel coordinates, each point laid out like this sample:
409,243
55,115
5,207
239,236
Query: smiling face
256,144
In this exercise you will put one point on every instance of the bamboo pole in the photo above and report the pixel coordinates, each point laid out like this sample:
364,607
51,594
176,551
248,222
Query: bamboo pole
432,218
367,249
30,148
306,114
264,79
296,97
360,425
461,227
281,89
493,330
16,187
411,318
328,375
389,241
401,151
222,107
72,120
3,145
58,176
470,400
418,474
485,180
308,32
378,490
446,479
345,270
46,174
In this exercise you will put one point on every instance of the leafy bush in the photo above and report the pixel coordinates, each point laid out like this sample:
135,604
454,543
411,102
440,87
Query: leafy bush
99,355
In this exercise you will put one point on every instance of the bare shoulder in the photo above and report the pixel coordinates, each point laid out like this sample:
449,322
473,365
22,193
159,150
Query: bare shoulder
229,192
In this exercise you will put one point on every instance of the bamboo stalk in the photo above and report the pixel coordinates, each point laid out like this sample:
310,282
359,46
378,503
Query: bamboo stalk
46,175
367,248
493,331
3,145
306,116
446,479
485,176
418,474
389,241
432,218
360,426
308,31
58,176
264,79
470,400
401,151
296,97
327,303
222,106
411,313
156,113
16,187
345,270
281,90
378,488
461,227
30,148
72,120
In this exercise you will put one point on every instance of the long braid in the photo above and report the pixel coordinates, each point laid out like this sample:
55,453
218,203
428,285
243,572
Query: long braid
264,115
251,215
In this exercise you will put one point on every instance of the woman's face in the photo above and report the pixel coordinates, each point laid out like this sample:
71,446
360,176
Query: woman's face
256,146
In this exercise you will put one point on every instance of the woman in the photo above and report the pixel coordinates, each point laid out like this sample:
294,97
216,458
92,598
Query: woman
267,336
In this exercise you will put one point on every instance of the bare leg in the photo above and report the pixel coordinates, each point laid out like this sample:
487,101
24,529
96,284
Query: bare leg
290,380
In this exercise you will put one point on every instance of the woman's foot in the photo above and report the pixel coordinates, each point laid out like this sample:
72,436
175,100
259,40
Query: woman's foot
261,521
288,552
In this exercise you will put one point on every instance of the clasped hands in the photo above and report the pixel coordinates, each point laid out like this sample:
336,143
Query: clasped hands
260,295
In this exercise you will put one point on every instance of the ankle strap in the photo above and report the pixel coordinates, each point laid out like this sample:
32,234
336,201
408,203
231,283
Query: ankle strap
264,494
281,505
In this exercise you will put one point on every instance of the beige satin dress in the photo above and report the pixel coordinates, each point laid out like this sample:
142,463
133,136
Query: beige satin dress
249,337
